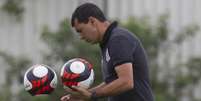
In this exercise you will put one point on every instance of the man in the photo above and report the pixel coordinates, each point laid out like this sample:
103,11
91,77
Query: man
124,62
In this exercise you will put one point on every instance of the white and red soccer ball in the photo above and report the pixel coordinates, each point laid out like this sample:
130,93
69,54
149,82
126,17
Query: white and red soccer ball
77,72
40,79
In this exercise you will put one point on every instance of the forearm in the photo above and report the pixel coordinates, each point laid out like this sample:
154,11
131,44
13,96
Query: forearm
97,87
123,83
116,87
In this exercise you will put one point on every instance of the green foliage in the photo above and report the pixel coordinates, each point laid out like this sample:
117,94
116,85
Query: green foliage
153,38
13,7
150,36
5,93
15,67
193,75
187,32
64,44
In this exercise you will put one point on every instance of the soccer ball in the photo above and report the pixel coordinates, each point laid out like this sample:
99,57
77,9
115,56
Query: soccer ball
77,72
39,80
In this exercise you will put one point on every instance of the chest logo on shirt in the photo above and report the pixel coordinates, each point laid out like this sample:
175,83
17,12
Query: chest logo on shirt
107,56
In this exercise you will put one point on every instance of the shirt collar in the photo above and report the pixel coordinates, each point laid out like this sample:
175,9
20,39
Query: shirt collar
108,33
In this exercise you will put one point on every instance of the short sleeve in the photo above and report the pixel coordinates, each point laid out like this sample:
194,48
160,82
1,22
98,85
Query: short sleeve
121,50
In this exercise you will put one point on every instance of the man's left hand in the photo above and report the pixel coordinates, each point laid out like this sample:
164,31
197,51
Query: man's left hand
82,93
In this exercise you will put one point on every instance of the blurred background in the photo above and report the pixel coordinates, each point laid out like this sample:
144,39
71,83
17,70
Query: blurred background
39,31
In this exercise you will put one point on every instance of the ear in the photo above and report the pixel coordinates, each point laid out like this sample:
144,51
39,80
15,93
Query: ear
92,20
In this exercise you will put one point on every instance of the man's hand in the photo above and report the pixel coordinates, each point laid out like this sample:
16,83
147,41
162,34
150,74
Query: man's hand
82,93
69,97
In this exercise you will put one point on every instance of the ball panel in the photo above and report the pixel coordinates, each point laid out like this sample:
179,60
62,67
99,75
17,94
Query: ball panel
88,82
77,67
68,79
40,71
53,83
68,75
27,84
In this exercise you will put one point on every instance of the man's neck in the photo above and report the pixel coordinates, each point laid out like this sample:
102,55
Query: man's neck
103,28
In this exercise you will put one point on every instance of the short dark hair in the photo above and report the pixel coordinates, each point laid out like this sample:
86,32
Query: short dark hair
84,11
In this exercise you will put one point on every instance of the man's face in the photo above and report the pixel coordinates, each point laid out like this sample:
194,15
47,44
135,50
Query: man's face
87,31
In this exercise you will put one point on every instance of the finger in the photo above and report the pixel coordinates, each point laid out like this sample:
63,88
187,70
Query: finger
83,93
69,89
78,88
65,98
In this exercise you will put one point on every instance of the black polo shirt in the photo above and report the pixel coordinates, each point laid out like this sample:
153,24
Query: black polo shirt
120,46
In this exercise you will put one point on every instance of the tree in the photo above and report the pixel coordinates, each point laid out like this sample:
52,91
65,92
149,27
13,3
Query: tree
64,44
14,72
14,8
156,42
154,39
